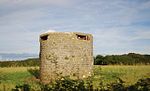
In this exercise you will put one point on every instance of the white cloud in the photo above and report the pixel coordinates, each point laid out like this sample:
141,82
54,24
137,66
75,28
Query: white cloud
19,17
50,30
111,22
19,41
35,2
120,40
142,34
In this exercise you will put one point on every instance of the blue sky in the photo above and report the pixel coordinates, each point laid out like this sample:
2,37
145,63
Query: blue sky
118,26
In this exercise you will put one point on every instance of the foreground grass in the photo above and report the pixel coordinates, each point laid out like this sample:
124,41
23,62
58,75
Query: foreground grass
10,77
129,74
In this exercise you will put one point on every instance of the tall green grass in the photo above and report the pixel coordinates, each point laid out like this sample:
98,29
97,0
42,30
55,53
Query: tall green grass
129,74
12,76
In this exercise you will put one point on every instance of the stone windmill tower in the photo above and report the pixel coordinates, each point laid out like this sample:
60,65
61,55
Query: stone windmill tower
65,54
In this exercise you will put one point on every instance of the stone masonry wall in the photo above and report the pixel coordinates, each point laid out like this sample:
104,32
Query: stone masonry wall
65,54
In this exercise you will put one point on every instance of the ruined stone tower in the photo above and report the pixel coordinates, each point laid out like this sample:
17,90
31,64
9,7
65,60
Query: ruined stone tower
65,54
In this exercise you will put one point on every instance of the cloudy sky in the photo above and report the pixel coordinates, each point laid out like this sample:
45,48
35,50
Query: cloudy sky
118,26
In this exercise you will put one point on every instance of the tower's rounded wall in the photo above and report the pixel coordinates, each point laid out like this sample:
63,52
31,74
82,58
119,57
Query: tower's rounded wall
65,54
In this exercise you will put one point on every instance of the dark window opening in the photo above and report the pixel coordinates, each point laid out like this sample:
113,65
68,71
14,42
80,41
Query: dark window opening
44,37
82,37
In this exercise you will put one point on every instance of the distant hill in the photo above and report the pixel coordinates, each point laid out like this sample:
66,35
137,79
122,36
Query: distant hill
15,56
125,59
22,63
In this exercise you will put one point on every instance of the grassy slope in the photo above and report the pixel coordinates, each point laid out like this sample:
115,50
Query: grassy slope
9,77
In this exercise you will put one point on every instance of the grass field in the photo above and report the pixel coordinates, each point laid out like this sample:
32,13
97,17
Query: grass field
129,74
10,77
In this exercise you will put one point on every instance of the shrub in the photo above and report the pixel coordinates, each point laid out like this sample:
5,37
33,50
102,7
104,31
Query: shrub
65,84
141,85
24,87
35,72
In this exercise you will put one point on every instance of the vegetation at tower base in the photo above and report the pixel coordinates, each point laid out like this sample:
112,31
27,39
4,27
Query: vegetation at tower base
68,84
105,77
125,59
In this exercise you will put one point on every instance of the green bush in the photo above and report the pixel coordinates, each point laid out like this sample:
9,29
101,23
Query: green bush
24,87
141,85
67,84
35,72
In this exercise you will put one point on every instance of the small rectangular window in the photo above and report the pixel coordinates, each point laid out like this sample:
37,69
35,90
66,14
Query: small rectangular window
44,37
82,37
